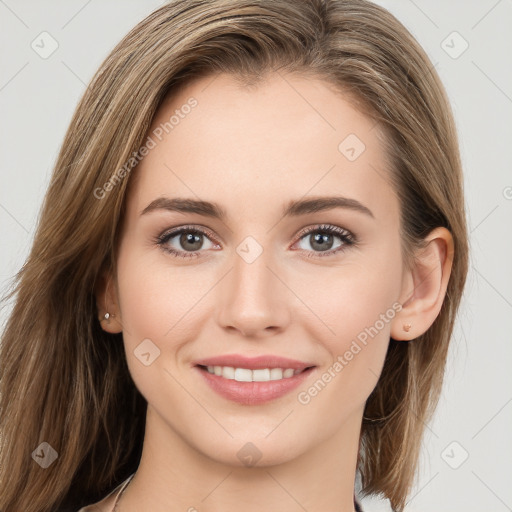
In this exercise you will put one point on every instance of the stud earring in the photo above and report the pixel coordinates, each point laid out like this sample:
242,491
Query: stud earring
107,317
407,327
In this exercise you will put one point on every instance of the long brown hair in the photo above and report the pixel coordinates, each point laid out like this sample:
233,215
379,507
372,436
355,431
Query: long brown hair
65,381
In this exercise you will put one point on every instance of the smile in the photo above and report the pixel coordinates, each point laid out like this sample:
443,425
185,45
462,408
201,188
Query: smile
253,387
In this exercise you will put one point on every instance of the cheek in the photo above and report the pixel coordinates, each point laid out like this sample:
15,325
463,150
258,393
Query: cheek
154,316
359,308
347,300
151,307
361,321
153,296
143,301
161,303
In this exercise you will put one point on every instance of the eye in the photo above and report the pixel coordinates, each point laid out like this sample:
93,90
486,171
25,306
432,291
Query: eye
320,240
189,240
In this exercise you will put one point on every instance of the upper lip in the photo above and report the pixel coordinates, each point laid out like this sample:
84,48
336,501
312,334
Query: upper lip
253,363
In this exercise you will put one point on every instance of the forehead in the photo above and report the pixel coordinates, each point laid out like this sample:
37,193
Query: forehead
286,138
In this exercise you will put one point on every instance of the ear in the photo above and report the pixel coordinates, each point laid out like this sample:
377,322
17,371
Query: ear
424,286
107,302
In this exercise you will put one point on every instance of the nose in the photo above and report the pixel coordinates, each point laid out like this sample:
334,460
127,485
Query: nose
253,298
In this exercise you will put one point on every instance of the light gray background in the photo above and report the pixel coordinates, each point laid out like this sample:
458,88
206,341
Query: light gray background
38,96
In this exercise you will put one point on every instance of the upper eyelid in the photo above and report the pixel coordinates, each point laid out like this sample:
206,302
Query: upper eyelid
191,227
328,227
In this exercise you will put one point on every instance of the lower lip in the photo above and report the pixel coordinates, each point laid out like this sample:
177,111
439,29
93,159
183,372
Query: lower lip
252,393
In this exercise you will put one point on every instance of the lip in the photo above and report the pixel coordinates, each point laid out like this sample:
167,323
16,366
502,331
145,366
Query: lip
253,363
253,393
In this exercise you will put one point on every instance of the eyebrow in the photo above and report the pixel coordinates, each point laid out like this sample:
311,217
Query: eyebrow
293,208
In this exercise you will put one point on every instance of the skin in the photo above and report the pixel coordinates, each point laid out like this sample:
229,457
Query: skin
252,150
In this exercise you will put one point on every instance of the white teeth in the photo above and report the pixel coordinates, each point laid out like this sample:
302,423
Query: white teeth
243,375
228,372
276,373
261,375
246,375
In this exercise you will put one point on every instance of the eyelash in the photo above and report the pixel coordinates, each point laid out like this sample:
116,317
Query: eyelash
346,237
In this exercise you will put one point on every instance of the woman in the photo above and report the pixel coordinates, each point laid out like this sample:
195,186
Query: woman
308,153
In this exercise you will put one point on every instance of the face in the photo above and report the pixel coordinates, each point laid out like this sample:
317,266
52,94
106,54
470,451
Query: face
315,284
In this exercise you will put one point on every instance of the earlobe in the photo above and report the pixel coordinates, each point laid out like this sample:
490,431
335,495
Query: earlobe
109,315
425,286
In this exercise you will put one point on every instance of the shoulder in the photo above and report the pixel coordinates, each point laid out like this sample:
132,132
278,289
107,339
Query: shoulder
107,503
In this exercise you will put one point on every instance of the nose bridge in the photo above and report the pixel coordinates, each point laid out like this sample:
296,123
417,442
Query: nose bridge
253,297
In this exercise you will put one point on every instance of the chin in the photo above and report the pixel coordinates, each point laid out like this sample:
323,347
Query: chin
253,452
